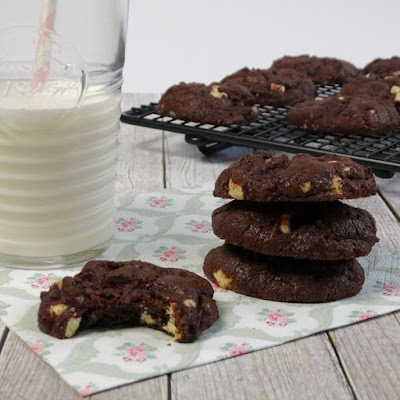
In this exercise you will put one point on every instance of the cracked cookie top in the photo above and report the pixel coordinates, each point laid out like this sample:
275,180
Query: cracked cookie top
262,177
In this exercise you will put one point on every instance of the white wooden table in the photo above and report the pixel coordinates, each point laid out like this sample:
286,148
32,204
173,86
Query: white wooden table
359,361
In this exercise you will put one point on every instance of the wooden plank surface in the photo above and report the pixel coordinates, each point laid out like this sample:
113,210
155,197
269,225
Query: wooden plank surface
23,375
390,191
370,351
304,369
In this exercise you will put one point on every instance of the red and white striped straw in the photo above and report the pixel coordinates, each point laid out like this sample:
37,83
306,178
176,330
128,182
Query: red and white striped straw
41,66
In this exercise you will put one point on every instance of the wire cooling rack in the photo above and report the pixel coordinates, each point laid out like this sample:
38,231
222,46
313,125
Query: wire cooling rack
272,131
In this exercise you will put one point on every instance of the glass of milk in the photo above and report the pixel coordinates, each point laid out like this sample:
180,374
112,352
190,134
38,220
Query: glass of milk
60,89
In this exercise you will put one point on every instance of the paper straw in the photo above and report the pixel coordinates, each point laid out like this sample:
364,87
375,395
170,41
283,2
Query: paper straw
43,50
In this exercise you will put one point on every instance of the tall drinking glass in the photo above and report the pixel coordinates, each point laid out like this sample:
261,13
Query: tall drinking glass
60,89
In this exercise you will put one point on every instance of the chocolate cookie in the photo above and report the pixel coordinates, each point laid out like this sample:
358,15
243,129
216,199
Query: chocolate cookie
134,293
217,104
261,177
372,85
348,115
314,231
275,87
383,66
282,279
322,70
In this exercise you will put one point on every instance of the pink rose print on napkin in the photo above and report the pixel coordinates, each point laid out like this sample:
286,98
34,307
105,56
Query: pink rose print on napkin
42,281
387,289
276,317
128,225
39,347
159,202
199,226
233,349
136,353
358,316
87,390
170,254
218,288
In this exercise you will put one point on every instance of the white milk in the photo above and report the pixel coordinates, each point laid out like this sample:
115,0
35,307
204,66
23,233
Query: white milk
57,171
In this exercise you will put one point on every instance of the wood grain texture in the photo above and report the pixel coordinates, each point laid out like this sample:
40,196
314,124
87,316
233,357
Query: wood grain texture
186,166
370,351
24,376
390,191
140,165
152,389
304,369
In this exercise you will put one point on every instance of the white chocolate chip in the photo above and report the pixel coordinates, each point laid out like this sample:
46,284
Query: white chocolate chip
189,303
305,187
56,310
222,280
395,89
332,162
147,318
59,283
255,109
172,114
318,98
346,169
216,93
341,98
72,326
235,190
372,111
284,224
336,185
396,73
277,86
171,326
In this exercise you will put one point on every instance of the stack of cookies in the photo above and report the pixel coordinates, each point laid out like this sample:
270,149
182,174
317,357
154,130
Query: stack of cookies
287,235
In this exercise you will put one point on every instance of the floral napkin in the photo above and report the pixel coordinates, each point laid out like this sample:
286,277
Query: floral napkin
173,229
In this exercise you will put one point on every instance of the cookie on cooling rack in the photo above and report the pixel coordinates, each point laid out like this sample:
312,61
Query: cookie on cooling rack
264,178
281,278
134,293
276,88
350,115
383,66
373,85
313,231
218,104
322,70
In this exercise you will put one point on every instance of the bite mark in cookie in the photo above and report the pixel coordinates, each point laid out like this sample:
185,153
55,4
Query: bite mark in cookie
134,293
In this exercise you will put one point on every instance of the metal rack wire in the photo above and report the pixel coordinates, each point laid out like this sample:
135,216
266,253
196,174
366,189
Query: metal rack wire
272,131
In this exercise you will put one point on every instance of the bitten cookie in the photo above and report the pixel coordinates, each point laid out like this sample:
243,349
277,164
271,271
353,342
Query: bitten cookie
135,293
280,278
261,177
372,85
314,231
217,104
322,70
383,66
275,87
348,115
